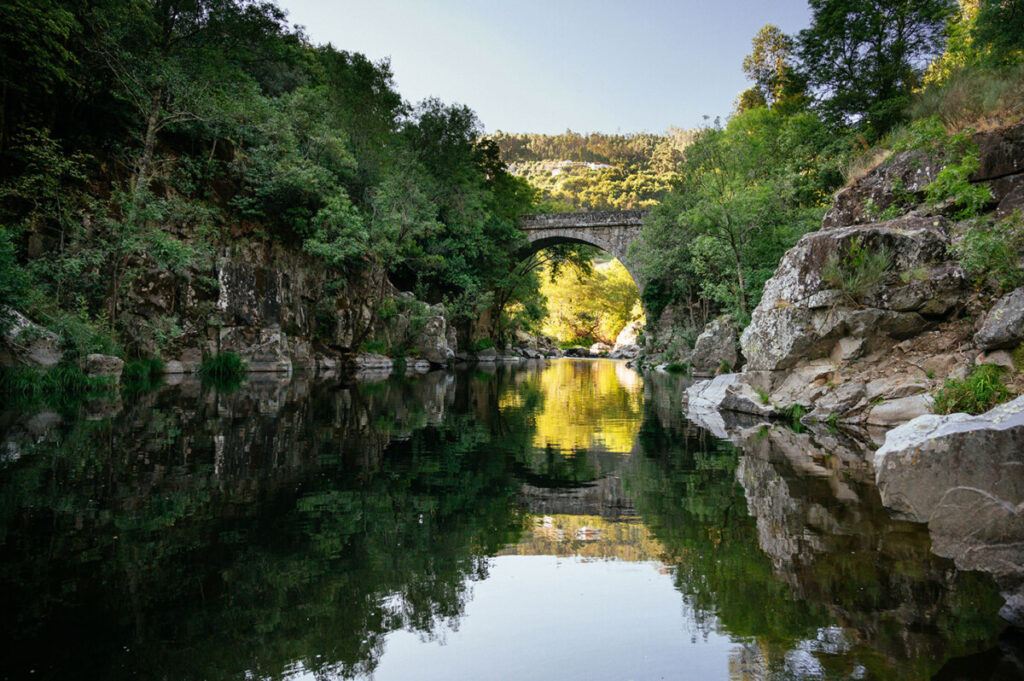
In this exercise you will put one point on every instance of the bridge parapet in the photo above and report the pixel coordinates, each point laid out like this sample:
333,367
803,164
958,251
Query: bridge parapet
602,218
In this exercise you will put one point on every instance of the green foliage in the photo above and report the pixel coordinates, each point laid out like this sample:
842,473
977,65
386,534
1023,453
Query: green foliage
677,367
13,281
952,184
746,194
857,270
958,154
190,117
770,67
144,374
594,172
982,390
589,304
60,386
991,253
481,344
862,58
375,346
225,371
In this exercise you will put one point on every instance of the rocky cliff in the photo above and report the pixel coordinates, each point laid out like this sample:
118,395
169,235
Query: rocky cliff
277,307
856,346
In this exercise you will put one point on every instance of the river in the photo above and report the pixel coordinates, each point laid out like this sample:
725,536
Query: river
558,520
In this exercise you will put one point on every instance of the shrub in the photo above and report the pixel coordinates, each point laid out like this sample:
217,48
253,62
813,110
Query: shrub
991,253
952,184
482,344
142,375
224,371
857,271
972,95
375,346
58,386
979,392
12,276
677,368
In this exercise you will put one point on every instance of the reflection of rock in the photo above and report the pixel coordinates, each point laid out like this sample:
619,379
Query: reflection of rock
604,497
964,476
821,521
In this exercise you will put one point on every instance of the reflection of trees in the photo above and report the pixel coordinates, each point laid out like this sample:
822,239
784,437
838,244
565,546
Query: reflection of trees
799,562
579,417
220,535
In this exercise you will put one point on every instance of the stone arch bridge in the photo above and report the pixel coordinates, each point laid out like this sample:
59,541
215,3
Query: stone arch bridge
611,231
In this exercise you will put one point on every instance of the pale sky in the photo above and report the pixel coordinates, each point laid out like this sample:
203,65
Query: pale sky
545,66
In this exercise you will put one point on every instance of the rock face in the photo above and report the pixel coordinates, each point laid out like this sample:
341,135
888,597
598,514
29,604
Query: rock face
801,317
278,309
666,339
1003,326
24,342
715,347
629,334
964,476
871,353
431,342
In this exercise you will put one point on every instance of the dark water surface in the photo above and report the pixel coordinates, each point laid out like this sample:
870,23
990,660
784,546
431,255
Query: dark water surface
561,521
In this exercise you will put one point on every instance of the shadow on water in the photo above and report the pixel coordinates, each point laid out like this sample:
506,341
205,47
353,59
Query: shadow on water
294,525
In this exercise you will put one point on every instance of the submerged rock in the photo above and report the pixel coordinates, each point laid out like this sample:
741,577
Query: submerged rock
964,476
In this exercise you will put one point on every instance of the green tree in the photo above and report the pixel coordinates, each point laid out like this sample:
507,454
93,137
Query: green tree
1000,28
769,63
864,59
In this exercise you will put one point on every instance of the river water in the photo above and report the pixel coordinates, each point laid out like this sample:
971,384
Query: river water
558,521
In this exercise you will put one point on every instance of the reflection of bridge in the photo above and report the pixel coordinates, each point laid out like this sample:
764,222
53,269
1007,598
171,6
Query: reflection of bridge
611,231
604,497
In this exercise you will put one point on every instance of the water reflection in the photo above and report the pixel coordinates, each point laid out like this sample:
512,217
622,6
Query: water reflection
541,523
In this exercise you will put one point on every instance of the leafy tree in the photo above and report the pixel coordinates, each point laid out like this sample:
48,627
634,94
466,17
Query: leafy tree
589,306
863,59
769,64
746,193
1000,28
33,53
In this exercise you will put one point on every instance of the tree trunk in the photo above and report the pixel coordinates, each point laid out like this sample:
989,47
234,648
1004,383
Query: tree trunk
152,123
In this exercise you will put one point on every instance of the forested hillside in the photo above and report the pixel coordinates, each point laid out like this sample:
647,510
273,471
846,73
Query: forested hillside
573,171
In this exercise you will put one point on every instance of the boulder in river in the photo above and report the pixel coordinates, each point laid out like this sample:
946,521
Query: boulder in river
964,476
103,366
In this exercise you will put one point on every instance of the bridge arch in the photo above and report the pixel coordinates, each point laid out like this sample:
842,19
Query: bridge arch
611,231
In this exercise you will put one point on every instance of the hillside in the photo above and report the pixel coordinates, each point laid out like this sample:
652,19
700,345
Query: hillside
575,172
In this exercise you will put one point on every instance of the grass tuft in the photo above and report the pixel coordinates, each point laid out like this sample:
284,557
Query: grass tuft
982,390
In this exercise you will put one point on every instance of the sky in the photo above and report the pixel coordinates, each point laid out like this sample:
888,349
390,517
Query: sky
548,66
